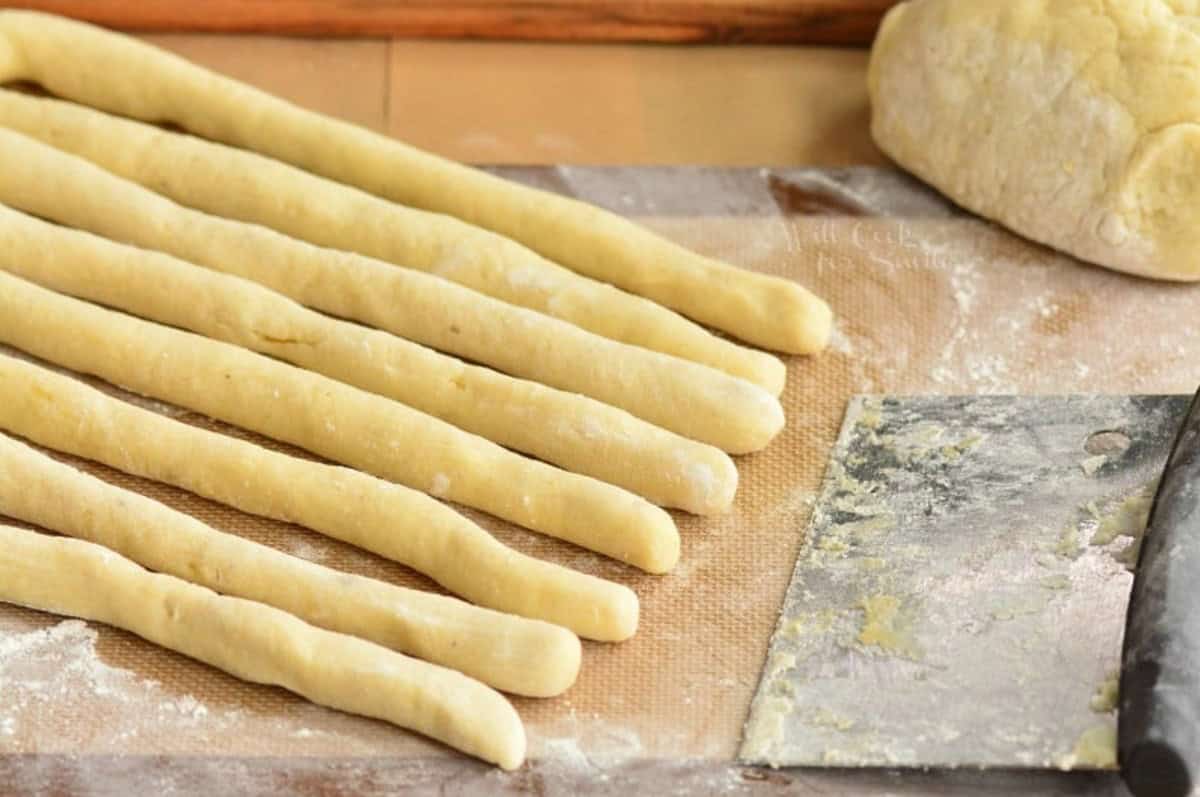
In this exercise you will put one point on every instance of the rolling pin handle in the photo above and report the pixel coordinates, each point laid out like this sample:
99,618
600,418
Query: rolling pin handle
1158,735
1154,769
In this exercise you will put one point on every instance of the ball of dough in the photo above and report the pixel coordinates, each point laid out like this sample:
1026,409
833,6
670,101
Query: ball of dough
1072,122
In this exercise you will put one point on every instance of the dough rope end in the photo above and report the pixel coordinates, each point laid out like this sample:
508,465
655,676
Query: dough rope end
761,421
561,660
512,757
721,499
710,486
772,374
661,552
625,614
504,743
814,326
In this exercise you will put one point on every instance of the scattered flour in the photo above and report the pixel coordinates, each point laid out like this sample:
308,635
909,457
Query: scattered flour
162,408
566,753
186,706
579,744
963,284
306,550
529,278
839,341
590,428
49,668
440,485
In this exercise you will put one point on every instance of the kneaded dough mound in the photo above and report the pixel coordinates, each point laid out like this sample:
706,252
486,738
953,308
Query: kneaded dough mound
1073,122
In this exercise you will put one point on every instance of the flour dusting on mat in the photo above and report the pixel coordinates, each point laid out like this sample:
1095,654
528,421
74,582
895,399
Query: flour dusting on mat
58,695
71,643
839,341
583,744
306,550
44,672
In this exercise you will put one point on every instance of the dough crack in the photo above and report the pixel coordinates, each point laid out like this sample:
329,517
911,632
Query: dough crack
284,340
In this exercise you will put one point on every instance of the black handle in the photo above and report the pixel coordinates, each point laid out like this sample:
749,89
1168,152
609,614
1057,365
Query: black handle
1159,722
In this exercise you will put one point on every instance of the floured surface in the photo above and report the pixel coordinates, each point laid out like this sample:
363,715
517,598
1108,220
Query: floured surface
927,302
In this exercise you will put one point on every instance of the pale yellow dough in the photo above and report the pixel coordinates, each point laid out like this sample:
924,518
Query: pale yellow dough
527,657
336,421
258,643
574,432
1073,122
690,399
388,519
242,185
125,76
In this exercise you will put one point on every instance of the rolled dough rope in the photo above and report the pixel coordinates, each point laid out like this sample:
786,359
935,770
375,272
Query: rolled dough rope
120,74
258,643
689,399
527,657
250,187
572,431
338,422
393,521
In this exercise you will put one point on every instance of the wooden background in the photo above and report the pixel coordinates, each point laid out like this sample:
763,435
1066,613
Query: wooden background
602,104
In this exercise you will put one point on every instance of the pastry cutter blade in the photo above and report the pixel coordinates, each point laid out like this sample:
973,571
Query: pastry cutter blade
960,596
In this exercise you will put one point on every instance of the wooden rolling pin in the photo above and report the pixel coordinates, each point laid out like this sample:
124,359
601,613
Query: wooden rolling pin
845,22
